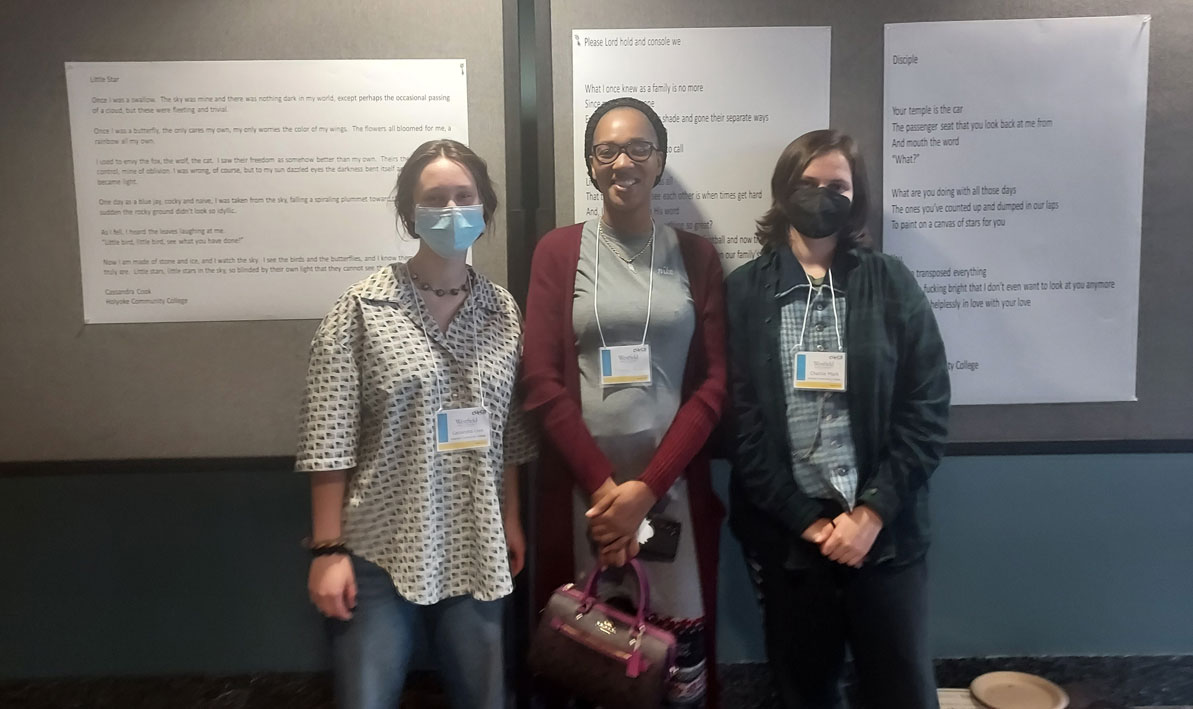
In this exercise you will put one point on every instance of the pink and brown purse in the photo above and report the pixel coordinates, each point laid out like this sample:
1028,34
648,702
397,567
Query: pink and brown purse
600,654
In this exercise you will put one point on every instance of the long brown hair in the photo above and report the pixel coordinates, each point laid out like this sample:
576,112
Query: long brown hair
428,153
773,226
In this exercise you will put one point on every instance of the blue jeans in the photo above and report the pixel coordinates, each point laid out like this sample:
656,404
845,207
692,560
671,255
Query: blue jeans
371,652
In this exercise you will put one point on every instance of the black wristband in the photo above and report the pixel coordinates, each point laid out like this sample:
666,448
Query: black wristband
330,550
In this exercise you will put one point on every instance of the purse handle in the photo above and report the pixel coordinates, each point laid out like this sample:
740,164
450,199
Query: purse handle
634,663
643,592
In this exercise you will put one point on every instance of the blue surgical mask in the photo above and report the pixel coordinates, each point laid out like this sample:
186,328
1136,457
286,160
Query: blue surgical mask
449,231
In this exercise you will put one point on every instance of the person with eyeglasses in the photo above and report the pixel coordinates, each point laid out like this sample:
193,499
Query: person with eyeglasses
624,366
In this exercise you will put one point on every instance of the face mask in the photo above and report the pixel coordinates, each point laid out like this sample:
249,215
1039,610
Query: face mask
816,212
449,231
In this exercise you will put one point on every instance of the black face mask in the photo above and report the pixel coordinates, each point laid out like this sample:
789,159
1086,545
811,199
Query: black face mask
816,212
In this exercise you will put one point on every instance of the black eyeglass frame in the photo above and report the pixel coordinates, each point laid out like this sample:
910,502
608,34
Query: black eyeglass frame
624,149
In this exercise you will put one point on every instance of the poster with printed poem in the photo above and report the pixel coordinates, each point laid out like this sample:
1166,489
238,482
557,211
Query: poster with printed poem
245,190
1013,190
731,97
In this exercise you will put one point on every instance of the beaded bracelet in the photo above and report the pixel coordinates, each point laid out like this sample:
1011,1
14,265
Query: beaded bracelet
311,543
326,547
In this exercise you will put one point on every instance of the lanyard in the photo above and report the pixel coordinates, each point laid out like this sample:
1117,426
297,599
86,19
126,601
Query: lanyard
418,302
807,307
596,278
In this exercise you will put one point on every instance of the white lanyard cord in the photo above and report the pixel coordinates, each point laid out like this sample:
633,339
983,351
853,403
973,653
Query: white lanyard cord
807,307
597,277
418,301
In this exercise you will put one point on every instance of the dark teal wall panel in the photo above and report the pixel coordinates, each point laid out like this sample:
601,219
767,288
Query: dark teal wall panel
156,573
173,573
1040,555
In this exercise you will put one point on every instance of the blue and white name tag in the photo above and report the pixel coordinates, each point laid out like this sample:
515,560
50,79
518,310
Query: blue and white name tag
461,429
820,371
627,364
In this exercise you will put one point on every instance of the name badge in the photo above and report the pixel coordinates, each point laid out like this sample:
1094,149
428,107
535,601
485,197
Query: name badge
820,371
461,430
628,364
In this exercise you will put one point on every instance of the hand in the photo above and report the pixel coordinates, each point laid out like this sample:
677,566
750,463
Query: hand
619,513
515,541
608,558
601,492
619,553
612,555
819,531
332,586
853,535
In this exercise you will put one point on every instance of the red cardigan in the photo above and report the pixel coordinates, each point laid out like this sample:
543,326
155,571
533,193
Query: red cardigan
570,456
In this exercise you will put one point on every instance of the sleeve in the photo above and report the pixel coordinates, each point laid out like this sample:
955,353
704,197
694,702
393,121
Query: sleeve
329,420
757,468
700,412
920,411
546,395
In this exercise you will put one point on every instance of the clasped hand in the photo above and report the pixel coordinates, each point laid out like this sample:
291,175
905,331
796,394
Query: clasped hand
613,520
847,538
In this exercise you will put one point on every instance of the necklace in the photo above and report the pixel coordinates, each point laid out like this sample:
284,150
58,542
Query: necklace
422,285
617,252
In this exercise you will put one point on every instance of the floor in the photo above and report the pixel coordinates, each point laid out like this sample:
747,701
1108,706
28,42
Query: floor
744,688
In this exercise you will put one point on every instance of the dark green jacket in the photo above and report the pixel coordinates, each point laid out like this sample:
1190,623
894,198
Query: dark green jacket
898,392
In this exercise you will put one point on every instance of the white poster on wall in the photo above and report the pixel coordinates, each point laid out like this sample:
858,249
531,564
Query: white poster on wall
245,190
1013,179
731,97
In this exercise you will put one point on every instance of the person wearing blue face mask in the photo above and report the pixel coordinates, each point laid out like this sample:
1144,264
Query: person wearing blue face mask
413,438
449,231
840,412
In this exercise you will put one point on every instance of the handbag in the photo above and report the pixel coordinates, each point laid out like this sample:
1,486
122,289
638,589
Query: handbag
600,654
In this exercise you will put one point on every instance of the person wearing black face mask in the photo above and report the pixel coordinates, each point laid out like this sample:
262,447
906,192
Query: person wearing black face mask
840,397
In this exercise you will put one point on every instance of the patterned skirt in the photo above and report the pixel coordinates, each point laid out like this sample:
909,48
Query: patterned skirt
688,685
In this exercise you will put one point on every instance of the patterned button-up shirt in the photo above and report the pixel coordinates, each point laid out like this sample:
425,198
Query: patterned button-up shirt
822,453
432,520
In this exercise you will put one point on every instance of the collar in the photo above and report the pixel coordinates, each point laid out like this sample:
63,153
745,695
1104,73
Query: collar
388,285
790,274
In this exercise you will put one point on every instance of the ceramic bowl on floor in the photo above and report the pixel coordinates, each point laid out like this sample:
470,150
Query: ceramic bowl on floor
1017,690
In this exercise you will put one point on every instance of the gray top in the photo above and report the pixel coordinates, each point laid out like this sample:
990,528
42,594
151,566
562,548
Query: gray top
629,421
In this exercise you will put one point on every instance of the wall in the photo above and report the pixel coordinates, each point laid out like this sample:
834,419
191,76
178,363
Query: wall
1163,410
201,572
178,390
170,571
1041,555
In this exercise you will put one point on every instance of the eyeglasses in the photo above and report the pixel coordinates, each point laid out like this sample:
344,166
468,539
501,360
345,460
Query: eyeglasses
637,150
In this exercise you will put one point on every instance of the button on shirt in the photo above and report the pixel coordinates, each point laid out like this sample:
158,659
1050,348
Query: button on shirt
432,520
822,454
